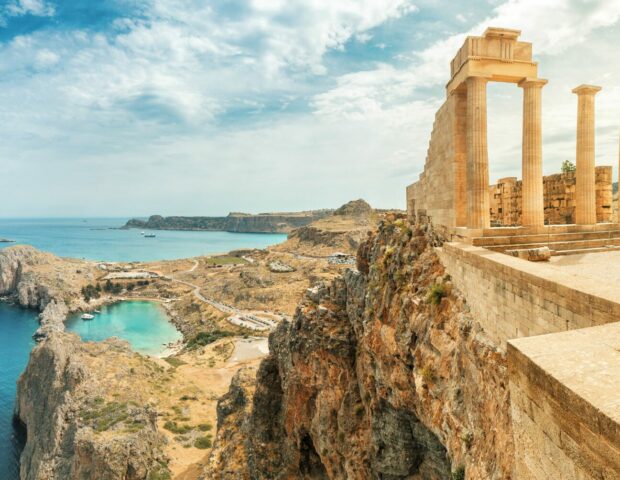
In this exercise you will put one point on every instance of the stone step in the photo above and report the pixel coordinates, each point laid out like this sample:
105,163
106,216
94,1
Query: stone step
585,250
514,231
561,245
543,238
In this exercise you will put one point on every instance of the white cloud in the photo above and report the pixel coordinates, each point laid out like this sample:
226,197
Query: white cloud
39,8
180,98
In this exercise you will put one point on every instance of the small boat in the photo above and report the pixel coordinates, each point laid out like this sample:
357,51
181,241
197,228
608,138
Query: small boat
141,233
87,316
150,235
96,311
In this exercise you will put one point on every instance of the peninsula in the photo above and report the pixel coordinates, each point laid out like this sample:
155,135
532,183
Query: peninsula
284,222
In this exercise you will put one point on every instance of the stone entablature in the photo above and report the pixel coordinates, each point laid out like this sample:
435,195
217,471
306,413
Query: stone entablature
505,199
497,55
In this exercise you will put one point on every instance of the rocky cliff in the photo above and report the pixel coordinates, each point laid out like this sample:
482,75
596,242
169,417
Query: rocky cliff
82,425
382,374
42,281
234,222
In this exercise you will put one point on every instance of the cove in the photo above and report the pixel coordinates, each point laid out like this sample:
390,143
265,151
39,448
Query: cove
143,324
17,326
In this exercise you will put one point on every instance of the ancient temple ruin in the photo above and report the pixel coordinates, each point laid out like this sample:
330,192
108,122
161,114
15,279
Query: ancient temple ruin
556,321
454,191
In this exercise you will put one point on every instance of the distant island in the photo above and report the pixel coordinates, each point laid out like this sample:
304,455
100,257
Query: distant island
283,222
6,240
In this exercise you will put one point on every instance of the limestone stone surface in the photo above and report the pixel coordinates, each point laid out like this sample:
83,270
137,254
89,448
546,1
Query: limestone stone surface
585,194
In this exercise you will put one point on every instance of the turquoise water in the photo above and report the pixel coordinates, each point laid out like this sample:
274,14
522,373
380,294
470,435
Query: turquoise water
143,324
99,239
17,326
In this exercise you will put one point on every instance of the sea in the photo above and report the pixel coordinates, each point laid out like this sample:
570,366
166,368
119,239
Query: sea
143,324
102,239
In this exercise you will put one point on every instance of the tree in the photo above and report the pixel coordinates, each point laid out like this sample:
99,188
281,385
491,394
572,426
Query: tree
568,166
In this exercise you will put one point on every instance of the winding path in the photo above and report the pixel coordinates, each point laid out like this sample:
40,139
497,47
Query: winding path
237,316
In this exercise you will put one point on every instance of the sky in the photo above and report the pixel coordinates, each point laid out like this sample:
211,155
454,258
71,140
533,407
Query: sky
187,107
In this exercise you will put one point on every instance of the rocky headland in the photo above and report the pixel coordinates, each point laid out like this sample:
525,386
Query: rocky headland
233,222
87,412
381,374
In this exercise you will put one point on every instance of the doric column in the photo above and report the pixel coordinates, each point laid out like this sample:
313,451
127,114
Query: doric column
532,210
618,204
585,188
459,109
477,154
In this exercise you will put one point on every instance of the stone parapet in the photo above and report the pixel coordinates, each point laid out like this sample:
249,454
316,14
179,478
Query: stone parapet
564,403
512,298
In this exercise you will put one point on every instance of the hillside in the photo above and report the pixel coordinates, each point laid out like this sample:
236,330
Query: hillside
283,222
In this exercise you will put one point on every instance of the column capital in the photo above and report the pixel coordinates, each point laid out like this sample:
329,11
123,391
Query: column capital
531,82
480,78
587,89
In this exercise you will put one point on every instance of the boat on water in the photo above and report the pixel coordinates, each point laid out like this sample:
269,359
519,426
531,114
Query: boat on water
96,311
141,233
87,316
150,235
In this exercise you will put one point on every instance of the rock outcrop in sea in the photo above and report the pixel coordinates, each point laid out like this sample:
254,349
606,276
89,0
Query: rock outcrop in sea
381,374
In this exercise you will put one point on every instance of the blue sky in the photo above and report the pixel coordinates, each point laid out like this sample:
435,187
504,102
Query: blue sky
132,107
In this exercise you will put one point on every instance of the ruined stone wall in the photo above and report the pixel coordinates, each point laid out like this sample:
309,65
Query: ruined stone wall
511,298
439,193
559,198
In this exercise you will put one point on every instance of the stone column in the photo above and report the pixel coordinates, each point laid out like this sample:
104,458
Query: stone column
585,188
532,210
617,219
477,154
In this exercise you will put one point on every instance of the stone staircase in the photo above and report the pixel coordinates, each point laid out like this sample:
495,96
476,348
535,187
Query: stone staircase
561,239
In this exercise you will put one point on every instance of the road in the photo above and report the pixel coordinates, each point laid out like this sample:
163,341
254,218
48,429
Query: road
236,316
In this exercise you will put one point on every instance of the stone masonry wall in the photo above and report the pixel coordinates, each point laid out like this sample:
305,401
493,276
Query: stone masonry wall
437,188
512,298
563,396
559,198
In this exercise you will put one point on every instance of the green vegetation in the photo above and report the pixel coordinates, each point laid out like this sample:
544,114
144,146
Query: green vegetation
174,427
437,292
161,473
91,291
203,442
428,373
459,473
114,288
103,416
205,338
224,260
174,361
568,166
204,427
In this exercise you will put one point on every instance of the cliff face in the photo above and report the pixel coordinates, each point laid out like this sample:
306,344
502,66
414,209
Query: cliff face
73,431
382,374
39,280
234,222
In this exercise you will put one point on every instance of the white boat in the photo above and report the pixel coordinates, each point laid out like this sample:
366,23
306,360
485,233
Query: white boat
141,233
96,311
87,316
